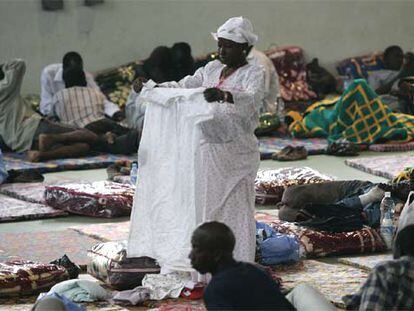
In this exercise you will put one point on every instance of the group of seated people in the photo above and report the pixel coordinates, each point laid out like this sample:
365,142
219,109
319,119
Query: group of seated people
76,118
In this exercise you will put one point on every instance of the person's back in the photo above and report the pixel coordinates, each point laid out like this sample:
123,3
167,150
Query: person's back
79,106
272,88
234,285
18,122
242,286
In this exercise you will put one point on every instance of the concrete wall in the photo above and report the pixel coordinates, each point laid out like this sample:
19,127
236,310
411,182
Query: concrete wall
118,31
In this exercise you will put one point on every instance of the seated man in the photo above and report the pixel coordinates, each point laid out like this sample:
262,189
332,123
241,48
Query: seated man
81,106
52,82
23,130
390,285
240,285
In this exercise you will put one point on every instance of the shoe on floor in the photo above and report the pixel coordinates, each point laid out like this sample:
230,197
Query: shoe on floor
290,153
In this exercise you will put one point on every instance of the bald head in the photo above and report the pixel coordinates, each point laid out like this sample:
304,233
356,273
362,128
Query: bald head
212,244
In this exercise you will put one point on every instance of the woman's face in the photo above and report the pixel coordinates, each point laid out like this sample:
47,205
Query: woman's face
231,53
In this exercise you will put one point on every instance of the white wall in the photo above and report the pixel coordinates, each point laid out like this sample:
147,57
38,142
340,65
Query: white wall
119,31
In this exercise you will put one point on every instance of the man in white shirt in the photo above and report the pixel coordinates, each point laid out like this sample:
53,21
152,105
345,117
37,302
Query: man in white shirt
52,82
272,88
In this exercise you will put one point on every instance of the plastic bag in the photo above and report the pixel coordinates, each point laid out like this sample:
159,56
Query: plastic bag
276,247
72,268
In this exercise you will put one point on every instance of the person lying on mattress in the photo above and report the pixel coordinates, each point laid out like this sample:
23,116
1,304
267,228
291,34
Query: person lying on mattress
237,285
80,106
23,130
390,285
52,82
340,206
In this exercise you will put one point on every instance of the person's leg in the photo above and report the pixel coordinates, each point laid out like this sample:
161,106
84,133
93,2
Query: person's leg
105,125
124,144
306,297
48,141
68,151
49,134
296,197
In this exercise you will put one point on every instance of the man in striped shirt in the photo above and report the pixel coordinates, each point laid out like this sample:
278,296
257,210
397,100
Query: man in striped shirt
52,82
83,107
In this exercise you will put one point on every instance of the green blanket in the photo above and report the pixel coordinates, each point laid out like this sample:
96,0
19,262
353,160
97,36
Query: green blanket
358,116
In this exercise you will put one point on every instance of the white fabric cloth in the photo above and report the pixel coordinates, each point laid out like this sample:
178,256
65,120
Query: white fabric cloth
237,29
162,286
271,80
305,297
197,163
51,81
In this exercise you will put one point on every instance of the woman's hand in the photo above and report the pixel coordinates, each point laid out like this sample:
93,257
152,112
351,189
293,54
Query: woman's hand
138,84
213,95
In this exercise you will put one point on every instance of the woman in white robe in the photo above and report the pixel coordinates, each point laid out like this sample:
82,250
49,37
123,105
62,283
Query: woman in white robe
225,191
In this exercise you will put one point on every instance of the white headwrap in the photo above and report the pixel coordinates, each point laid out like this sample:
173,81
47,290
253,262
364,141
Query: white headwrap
237,29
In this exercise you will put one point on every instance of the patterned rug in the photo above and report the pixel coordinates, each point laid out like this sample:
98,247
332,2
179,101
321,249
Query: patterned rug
123,179
13,209
17,162
105,232
270,145
332,280
120,230
386,166
26,304
46,246
389,147
367,262
176,305
30,192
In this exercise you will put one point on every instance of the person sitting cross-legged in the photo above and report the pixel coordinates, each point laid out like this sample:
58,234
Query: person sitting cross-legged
240,285
23,130
52,81
81,106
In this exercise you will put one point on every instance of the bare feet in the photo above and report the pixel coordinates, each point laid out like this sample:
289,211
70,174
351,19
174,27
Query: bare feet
45,142
33,155
110,137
